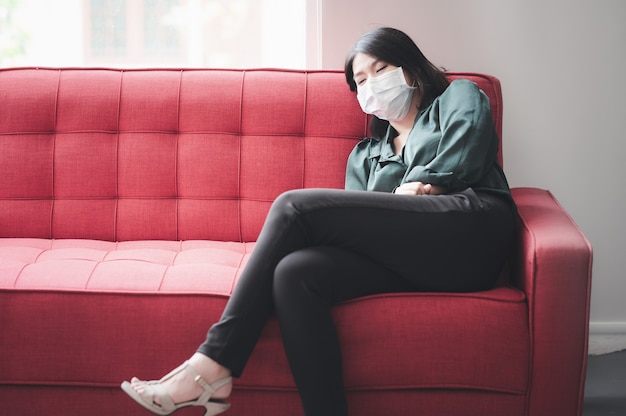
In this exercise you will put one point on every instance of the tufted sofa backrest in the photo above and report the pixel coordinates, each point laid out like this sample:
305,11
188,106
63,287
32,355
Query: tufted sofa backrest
170,154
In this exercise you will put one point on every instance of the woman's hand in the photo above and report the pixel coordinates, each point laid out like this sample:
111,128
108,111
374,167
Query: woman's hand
419,188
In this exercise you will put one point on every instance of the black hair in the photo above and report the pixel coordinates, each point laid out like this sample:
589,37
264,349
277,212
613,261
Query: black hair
398,49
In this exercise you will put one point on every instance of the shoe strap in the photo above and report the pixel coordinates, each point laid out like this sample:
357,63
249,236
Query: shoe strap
166,404
209,389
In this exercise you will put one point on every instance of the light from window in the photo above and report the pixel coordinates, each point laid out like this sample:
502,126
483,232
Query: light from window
153,33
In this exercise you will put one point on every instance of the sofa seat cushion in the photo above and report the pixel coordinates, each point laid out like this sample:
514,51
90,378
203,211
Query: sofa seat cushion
133,266
59,299
455,341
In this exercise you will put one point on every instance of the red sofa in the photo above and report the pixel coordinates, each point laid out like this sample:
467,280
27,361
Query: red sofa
130,201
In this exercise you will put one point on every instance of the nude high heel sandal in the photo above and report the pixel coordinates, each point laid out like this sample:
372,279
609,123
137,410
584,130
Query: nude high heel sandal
167,406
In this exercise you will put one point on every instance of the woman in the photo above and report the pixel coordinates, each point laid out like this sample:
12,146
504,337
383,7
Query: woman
442,220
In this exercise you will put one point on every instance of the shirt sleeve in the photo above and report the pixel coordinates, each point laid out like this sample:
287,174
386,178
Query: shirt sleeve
468,145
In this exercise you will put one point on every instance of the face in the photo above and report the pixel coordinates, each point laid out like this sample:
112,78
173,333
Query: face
365,67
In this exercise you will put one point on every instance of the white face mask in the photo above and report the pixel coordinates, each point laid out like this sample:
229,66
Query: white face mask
386,96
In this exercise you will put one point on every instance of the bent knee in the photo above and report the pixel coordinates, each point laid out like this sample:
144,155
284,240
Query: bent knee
303,271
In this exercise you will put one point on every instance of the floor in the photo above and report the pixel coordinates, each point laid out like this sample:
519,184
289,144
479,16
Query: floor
605,387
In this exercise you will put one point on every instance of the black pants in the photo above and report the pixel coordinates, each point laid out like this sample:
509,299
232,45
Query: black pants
320,247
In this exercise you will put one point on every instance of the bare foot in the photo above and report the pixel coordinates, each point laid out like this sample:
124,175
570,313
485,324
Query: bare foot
182,387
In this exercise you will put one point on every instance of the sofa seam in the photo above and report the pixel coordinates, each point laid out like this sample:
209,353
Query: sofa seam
237,271
17,278
177,152
19,274
93,271
304,119
54,150
239,156
117,159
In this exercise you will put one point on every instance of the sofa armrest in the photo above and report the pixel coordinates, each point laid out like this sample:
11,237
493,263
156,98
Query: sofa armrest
552,265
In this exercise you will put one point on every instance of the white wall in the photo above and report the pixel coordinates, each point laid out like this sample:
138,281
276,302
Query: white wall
561,64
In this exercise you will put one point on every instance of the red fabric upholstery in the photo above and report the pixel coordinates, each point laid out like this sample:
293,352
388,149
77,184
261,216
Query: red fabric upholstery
131,200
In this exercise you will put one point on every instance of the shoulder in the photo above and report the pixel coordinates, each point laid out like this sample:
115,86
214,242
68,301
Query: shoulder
367,145
463,95
366,149
462,89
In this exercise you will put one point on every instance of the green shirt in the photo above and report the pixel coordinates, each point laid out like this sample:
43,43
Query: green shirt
453,143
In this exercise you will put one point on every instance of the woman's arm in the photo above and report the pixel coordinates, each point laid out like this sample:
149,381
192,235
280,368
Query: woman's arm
359,166
468,145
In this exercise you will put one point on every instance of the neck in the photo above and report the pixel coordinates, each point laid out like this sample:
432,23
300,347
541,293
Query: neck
404,126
